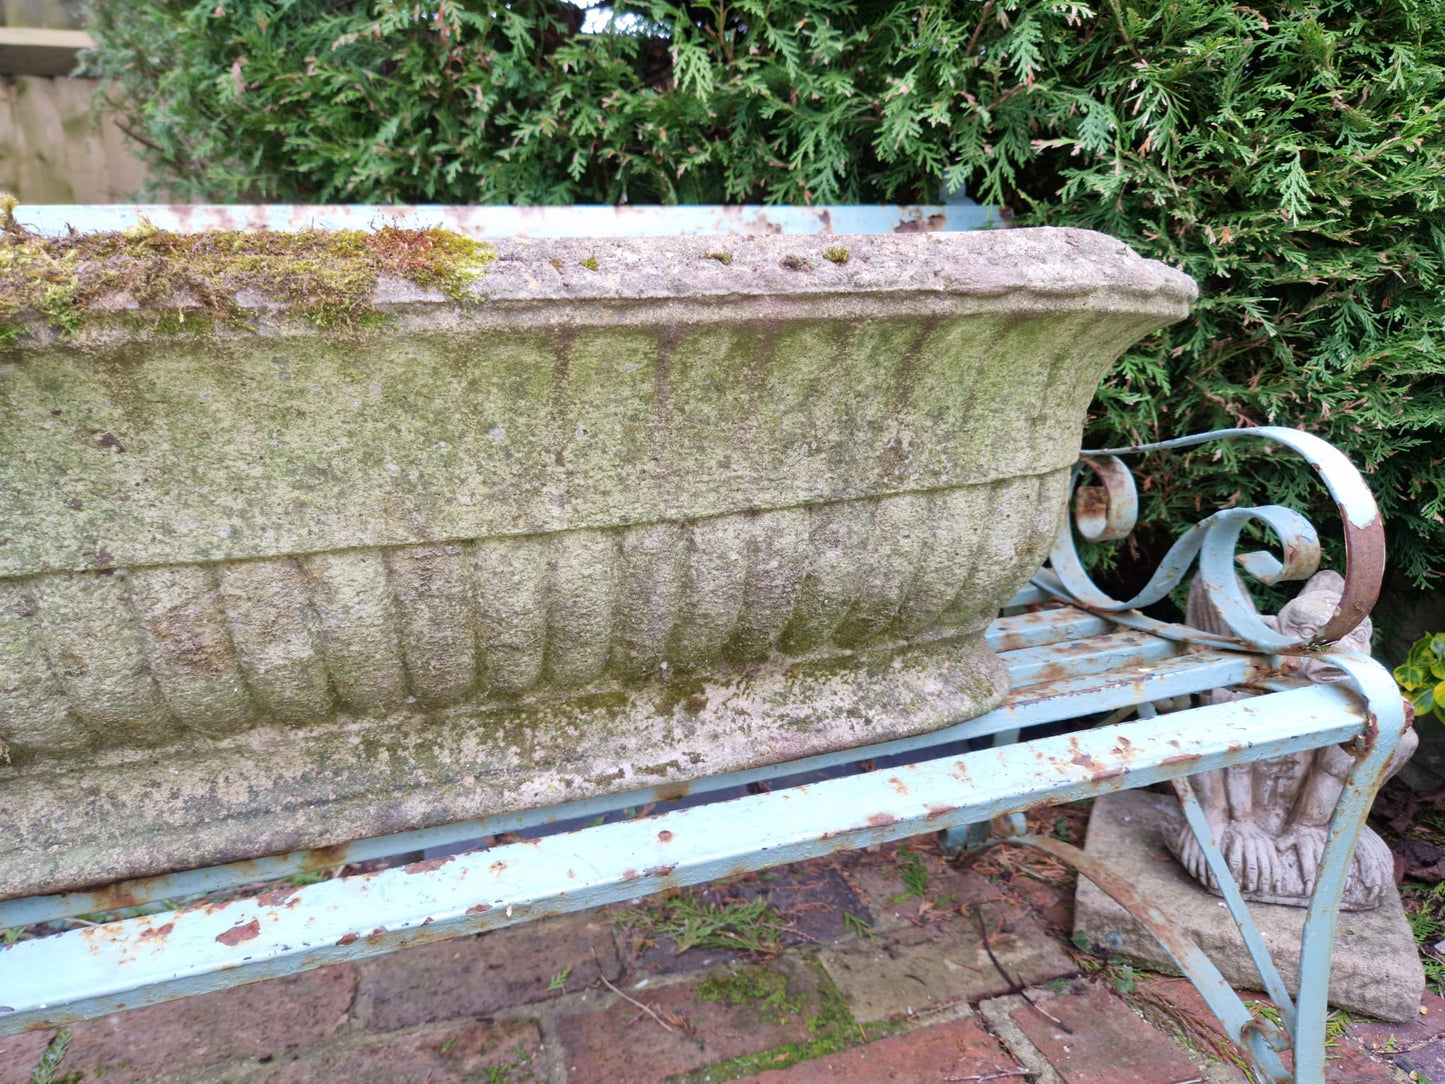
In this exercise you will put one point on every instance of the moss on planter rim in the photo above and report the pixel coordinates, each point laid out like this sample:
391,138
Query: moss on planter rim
168,283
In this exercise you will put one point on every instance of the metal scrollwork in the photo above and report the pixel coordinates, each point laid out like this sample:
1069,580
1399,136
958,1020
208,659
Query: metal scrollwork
1108,510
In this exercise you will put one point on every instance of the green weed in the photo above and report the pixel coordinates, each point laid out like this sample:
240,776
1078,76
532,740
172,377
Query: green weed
913,873
45,1069
1422,676
739,925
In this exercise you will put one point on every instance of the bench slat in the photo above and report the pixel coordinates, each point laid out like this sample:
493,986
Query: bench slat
1017,631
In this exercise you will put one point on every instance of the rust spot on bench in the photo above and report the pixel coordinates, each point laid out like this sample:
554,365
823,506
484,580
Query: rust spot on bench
236,934
115,898
428,865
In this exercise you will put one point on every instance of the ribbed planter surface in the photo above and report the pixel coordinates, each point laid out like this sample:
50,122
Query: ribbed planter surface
634,515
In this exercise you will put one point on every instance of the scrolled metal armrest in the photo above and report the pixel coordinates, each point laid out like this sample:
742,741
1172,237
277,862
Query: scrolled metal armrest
1108,511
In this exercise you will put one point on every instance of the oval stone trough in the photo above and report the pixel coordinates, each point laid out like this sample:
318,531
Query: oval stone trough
640,511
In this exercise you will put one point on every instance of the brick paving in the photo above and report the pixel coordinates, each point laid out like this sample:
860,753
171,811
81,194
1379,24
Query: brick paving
1091,1036
880,972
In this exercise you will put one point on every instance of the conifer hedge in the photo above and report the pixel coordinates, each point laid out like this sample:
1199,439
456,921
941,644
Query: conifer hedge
1290,156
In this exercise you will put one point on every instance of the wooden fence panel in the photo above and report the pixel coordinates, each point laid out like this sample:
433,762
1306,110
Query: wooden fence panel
52,152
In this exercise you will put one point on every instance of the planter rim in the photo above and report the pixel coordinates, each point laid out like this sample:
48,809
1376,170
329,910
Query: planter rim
691,279
1060,263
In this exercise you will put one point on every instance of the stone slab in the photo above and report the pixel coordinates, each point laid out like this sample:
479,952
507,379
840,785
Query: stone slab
1375,970
878,882
1427,1061
918,968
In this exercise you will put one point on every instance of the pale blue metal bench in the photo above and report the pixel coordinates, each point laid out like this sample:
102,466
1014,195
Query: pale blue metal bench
1071,651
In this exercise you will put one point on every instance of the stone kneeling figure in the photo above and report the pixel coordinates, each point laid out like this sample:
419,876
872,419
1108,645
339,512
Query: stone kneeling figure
1271,817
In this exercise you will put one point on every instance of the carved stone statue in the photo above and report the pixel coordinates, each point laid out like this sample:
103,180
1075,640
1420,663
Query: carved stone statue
1271,817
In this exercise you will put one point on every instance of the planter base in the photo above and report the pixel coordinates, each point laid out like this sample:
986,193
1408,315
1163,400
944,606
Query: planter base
276,789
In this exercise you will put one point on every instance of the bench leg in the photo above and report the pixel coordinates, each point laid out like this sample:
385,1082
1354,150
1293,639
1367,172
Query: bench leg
1303,1017
971,837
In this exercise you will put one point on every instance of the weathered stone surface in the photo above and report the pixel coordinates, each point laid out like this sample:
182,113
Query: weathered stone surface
278,788
1375,969
273,590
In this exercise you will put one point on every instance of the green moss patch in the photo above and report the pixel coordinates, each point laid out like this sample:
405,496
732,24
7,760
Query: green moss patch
186,283
831,1027
758,984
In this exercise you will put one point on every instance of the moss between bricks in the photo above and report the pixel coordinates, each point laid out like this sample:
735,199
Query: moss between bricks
763,985
831,1026
173,283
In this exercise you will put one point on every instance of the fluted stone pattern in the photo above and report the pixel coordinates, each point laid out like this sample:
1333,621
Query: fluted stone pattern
630,516
138,656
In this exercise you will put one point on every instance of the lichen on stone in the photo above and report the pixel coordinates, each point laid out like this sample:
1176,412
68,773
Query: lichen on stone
161,282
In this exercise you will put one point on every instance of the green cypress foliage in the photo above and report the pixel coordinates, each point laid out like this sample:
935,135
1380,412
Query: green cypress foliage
1290,156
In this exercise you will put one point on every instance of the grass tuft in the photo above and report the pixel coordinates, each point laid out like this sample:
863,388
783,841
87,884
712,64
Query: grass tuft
739,925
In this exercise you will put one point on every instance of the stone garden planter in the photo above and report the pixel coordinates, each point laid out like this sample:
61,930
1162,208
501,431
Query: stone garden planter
644,510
